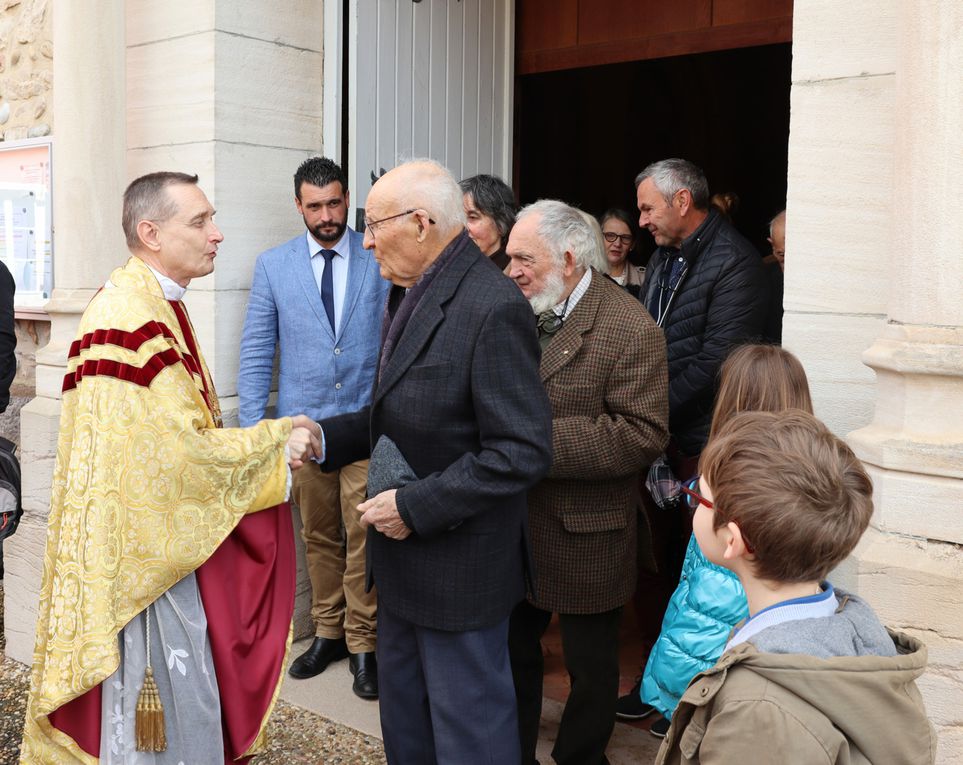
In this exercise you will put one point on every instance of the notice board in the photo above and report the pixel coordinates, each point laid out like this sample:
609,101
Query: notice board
26,240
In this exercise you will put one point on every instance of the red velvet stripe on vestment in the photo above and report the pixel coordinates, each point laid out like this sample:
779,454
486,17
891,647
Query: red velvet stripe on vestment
187,330
132,341
142,376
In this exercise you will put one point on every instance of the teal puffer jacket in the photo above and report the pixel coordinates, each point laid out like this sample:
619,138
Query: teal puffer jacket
702,611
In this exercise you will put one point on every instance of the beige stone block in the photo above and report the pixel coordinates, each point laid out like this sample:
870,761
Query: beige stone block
830,347
918,427
23,565
170,91
255,206
193,158
299,26
840,196
274,99
912,582
915,504
929,167
949,745
39,424
156,20
852,39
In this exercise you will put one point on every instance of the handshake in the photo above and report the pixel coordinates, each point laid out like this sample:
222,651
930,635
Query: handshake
304,441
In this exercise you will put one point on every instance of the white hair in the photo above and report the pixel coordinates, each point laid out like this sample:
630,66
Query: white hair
564,228
432,187
779,217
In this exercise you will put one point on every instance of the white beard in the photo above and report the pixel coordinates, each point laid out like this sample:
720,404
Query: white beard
551,294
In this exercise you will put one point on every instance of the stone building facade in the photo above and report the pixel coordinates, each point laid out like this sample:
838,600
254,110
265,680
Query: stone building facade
873,271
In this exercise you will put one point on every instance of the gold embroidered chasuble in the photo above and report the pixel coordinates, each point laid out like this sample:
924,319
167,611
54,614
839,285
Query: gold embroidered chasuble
147,485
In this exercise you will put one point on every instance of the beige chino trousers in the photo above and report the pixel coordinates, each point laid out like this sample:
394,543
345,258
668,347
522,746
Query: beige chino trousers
335,551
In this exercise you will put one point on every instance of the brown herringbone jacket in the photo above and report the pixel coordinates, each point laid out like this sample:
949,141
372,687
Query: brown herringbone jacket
605,373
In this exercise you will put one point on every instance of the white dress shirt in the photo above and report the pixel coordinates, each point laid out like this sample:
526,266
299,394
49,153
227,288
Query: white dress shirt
339,273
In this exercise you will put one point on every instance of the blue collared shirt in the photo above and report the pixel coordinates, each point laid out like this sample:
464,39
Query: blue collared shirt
810,607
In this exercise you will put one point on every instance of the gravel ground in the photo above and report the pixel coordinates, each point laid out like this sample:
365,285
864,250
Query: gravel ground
297,736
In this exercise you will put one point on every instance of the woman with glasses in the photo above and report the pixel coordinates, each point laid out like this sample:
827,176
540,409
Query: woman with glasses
618,231
490,210
709,600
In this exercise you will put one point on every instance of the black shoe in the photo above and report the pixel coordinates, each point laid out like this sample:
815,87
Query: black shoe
364,667
660,727
317,658
630,706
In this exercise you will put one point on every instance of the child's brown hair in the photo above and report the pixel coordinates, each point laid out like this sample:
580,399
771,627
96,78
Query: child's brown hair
799,495
760,378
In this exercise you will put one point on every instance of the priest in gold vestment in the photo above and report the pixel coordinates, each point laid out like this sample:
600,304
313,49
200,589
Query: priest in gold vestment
170,551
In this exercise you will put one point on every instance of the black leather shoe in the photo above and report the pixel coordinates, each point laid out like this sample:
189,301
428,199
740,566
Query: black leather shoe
317,658
364,667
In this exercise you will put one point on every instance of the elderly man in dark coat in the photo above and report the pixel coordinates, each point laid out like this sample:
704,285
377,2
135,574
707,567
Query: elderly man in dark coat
604,368
459,419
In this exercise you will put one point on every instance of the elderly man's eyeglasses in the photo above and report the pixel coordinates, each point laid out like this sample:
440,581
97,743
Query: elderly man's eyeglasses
372,225
611,236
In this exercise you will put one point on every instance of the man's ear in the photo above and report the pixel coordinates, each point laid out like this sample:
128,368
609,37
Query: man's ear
568,267
297,203
347,199
735,543
423,225
148,232
683,199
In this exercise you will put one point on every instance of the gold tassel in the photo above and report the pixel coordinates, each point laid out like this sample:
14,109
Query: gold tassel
149,722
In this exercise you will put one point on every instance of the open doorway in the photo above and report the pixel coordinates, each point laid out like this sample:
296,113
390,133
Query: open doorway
582,135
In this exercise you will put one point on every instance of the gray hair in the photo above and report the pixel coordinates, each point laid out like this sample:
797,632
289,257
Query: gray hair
431,186
670,176
567,229
146,198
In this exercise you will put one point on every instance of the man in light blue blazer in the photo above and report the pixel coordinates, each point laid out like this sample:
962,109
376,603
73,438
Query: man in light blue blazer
320,299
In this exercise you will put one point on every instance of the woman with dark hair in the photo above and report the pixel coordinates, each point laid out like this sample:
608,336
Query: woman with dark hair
618,231
490,210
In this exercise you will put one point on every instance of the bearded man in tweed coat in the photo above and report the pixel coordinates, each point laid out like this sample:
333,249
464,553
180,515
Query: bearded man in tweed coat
604,368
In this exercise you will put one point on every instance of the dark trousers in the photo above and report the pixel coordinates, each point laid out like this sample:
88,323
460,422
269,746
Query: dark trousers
446,697
669,534
590,644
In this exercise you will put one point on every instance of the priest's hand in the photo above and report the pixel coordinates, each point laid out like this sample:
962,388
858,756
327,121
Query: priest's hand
302,445
303,421
382,513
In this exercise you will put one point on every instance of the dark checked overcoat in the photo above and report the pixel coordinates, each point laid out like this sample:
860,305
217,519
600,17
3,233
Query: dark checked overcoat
606,377
461,399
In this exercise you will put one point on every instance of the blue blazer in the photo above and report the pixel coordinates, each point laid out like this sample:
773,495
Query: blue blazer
319,375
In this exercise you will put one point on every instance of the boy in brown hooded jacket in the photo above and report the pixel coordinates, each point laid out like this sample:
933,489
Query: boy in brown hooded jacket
812,676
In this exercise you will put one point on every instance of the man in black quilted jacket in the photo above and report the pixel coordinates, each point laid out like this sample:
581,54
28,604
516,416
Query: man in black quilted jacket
706,288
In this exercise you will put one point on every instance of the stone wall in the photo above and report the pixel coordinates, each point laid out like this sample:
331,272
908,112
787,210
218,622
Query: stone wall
872,284
26,68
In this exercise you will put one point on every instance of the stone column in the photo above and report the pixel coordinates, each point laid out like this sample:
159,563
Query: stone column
88,181
910,564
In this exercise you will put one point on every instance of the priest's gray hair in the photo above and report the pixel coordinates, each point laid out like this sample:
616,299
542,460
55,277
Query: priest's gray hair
564,228
146,198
